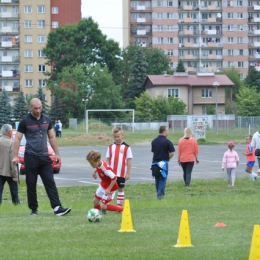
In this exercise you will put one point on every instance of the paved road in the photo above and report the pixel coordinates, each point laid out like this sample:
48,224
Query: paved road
76,170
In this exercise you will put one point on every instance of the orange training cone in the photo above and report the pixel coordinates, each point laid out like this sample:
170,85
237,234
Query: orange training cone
255,244
184,231
220,224
126,224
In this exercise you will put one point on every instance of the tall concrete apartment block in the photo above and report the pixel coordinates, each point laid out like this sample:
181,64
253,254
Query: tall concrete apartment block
24,28
208,36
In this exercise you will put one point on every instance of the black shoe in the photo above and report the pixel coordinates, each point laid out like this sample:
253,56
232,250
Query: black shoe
34,212
103,211
61,211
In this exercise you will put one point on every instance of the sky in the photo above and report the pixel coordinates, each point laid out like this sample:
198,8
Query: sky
108,14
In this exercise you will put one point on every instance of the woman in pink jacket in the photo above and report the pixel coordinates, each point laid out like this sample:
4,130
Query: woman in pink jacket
188,152
230,162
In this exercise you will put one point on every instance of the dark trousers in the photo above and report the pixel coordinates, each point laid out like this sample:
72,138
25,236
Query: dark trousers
12,186
40,165
187,169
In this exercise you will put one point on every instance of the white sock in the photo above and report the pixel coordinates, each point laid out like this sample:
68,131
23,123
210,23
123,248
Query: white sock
56,208
120,198
255,175
251,176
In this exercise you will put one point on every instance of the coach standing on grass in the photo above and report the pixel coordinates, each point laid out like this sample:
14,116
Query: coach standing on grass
163,150
37,127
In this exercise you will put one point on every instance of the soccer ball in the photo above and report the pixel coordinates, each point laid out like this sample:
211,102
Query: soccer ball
94,215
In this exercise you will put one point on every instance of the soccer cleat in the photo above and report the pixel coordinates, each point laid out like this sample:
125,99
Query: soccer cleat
61,211
34,212
103,211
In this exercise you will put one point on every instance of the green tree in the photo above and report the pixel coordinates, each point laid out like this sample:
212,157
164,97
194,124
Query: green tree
144,105
247,103
20,107
41,96
176,106
137,77
253,78
56,111
210,110
6,111
180,67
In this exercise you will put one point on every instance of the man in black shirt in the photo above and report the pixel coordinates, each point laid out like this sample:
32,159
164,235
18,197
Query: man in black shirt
36,127
163,150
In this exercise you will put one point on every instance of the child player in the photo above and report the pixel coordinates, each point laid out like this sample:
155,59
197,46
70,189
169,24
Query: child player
105,193
249,153
119,157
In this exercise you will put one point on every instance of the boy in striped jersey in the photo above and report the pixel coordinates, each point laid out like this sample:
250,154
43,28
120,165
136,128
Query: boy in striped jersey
119,157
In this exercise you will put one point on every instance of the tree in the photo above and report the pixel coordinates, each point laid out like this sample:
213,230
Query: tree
247,103
180,67
137,77
210,110
41,96
56,111
144,105
253,78
6,111
82,44
20,107
176,106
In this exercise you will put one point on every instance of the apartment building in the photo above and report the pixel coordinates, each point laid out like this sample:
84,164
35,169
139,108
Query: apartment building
24,28
208,36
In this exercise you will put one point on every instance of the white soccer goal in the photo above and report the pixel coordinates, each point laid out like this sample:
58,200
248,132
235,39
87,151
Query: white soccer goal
107,110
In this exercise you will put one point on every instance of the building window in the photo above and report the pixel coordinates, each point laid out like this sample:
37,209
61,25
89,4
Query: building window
170,40
28,53
240,15
170,28
28,39
41,54
240,64
169,15
229,3
230,64
230,15
171,64
206,93
230,52
42,83
28,24
41,9
159,3
230,27
28,68
169,3
240,39
170,52
173,92
41,38
40,24
27,9
160,40
241,52
41,68
28,83
239,3
159,15
55,10
160,28
55,24
147,3
230,40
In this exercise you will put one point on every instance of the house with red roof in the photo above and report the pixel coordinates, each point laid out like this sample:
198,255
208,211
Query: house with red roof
196,91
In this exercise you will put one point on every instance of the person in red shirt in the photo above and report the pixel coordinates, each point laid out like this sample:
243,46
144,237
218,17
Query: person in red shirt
250,157
105,192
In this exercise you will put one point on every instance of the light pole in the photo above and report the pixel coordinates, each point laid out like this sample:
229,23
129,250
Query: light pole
85,100
216,84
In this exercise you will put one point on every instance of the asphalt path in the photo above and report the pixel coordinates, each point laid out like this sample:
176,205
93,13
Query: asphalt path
76,171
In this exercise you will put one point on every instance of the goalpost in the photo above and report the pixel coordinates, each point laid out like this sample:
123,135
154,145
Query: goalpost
98,110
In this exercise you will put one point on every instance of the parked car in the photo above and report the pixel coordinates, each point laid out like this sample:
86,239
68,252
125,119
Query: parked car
55,166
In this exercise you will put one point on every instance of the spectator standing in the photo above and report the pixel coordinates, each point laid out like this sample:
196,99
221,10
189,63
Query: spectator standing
60,127
187,153
163,150
256,144
37,127
8,172
56,127
230,162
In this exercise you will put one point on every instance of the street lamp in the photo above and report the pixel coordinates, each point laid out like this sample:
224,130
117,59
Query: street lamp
85,100
216,84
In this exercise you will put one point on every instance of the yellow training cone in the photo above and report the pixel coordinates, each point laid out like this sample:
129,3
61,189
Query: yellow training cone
255,244
184,231
126,224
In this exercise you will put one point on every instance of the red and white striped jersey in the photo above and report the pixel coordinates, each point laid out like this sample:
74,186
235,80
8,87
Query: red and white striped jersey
106,175
118,155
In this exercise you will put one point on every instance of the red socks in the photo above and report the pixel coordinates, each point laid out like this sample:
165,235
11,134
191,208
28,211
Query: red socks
112,207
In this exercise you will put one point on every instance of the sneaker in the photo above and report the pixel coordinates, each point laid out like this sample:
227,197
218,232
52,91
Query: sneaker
61,211
103,211
232,186
34,212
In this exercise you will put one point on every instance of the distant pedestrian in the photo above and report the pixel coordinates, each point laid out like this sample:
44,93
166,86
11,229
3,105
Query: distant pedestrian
250,157
163,150
255,143
56,127
187,153
8,172
60,128
230,162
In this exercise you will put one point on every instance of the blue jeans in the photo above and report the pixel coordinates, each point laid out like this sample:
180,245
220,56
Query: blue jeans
160,183
13,188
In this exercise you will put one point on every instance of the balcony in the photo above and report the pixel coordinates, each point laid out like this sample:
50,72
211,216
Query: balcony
188,56
188,44
257,55
9,15
212,56
212,20
256,32
188,20
257,68
140,8
256,44
9,59
209,100
256,7
141,20
141,32
9,2
212,7
256,19
188,32
188,7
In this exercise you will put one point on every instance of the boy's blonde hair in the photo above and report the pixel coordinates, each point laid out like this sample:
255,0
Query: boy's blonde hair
94,156
187,132
117,129
249,136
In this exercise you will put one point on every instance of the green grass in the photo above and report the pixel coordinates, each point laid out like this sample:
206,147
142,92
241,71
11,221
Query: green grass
156,223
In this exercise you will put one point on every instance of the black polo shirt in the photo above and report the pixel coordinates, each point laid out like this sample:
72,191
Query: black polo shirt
161,147
35,132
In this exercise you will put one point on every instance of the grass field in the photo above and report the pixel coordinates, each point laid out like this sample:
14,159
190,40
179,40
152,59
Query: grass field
156,222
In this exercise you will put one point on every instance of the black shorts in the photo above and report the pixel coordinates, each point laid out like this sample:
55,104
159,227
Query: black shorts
121,182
